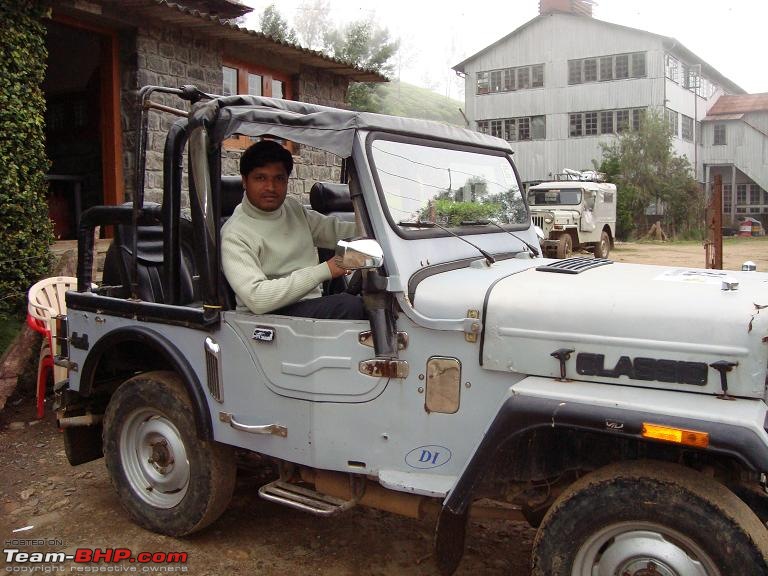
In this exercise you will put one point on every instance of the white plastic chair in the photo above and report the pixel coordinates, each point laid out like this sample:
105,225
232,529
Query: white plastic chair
45,302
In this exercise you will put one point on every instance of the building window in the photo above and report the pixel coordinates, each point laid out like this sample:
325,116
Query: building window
515,129
719,135
671,65
496,81
537,76
574,71
670,116
741,194
638,65
524,128
687,128
511,130
622,121
610,122
754,194
256,84
509,79
590,124
523,78
637,117
496,126
622,66
229,81
614,67
575,122
243,78
590,70
606,122
482,82
727,198
606,68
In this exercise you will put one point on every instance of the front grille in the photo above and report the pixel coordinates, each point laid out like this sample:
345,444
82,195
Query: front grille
574,265
213,367
538,221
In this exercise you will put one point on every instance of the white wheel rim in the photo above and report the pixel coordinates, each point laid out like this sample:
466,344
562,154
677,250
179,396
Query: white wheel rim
154,458
642,549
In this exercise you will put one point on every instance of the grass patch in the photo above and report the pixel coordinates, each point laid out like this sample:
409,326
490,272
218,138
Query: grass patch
9,327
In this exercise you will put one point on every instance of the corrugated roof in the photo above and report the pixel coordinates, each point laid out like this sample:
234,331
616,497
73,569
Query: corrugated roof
669,43
739,104
245,39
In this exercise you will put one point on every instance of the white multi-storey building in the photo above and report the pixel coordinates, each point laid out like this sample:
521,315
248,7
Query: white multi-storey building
559,85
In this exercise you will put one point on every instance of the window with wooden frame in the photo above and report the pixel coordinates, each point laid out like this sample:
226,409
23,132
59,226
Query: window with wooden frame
240,77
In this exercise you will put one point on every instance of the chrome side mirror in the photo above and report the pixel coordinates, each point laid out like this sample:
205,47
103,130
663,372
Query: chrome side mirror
362,254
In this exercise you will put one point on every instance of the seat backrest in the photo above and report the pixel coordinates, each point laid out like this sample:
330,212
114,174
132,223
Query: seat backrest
231,195
330,198
46,298
149,258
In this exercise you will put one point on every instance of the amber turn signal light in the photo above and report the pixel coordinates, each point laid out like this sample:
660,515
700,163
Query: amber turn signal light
675,435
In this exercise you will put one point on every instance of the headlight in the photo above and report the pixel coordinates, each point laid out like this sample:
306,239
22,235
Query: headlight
548,220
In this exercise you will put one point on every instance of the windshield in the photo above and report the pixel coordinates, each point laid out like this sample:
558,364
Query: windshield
447,186
554,197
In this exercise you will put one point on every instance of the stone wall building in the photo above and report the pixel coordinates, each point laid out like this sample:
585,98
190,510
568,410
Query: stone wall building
101,52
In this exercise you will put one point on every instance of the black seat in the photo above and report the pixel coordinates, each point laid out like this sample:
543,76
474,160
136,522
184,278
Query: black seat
230,196
332,199
149,249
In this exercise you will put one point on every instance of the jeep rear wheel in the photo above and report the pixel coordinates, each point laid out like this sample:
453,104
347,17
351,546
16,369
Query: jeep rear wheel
167,478
642,518
603,247
564,246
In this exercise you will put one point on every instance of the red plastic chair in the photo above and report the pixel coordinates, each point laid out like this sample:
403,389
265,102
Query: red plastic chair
45,302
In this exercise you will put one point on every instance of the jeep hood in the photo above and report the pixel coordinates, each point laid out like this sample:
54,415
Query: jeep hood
626,324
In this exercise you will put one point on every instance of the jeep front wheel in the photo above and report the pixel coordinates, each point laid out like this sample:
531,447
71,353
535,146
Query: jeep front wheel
564,246
642,518
167,478
603,247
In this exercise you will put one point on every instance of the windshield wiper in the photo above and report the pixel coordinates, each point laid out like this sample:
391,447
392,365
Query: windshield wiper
492,223
419,224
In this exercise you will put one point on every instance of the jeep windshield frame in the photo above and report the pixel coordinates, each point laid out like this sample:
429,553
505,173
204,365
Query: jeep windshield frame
423,180
555,196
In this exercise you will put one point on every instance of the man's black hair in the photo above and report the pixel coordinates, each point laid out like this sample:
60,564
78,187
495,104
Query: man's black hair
262,153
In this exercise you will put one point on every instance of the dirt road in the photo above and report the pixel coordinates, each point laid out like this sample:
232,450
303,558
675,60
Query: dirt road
77,507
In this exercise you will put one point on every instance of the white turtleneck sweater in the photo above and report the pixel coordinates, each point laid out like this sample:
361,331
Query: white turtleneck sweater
270,259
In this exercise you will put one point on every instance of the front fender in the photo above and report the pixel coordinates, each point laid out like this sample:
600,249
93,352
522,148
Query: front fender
736,428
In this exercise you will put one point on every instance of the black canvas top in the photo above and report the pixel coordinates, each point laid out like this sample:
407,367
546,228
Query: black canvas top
330,129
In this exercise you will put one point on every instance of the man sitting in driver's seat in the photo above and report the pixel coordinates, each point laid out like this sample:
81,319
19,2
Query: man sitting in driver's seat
268,246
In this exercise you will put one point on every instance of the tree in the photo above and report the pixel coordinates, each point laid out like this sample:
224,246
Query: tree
312,18
647,171
366,45
273,24
25,230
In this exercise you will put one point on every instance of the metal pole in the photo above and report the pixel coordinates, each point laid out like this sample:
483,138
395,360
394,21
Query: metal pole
714,243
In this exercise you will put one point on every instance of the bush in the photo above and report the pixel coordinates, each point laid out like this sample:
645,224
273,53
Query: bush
25,230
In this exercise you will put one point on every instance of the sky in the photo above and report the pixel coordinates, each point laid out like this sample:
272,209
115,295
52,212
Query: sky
435,35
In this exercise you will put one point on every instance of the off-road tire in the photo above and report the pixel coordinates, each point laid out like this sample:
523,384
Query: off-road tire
603,247
640,510
565,246
191,481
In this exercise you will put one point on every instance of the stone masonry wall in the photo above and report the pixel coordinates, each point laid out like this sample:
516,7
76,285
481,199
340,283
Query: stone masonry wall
162,56
310,164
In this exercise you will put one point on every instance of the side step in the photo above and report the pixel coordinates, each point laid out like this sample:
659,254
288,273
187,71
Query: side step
304,499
